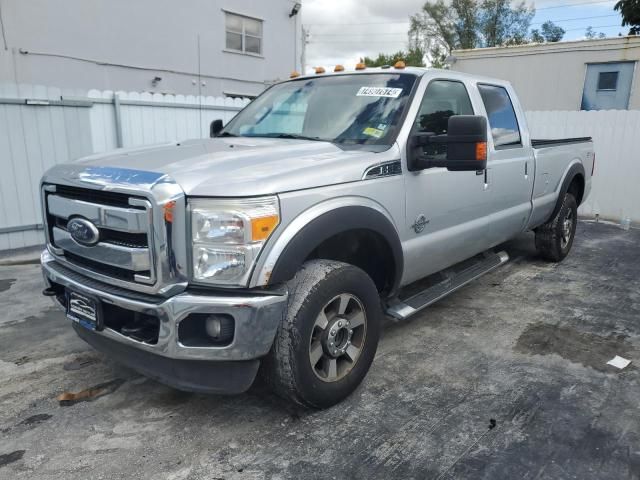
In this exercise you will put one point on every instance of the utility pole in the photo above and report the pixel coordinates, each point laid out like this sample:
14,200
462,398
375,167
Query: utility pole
303,54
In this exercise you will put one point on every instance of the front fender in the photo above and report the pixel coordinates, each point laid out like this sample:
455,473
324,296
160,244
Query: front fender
319,223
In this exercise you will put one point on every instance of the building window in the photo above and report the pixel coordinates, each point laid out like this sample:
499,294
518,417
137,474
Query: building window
608,81
607,86
244,34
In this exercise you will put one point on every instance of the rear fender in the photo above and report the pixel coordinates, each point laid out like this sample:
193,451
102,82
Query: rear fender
576,169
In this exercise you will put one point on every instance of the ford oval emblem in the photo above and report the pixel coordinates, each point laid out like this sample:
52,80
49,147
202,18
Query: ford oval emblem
83,231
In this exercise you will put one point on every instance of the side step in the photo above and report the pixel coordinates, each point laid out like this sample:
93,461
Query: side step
455,278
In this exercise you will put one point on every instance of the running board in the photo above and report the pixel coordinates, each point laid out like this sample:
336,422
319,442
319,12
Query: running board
402,309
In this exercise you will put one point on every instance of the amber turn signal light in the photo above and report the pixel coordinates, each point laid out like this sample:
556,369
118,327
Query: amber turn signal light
262,227
481,151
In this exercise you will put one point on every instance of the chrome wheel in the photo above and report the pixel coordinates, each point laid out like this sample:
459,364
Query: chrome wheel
338,337
567,229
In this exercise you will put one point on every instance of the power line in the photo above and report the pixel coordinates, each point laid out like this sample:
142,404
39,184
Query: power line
574,5
369,35
576,18
368,40
537,9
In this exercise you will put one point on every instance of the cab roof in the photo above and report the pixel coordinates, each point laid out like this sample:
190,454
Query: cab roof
417,71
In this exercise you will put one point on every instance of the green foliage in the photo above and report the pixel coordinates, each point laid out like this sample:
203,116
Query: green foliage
504,24
590,34
413,57
550,33
630,11
440,27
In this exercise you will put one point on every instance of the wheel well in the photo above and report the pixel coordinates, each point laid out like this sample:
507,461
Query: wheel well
363,248
576,188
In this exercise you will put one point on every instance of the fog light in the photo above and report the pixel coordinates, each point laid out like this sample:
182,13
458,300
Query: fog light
206,330
219,328
213,326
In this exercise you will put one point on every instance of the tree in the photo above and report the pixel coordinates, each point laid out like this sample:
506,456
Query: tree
503,24
413,57
441,27
630,11
550,33
590,34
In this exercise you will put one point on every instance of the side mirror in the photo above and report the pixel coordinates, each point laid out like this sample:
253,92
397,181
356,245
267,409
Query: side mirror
466,142
215,128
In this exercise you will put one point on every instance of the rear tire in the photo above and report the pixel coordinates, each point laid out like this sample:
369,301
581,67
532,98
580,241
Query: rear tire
555,238
325,344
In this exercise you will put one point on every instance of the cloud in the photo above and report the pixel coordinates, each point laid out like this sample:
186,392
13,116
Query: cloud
343,31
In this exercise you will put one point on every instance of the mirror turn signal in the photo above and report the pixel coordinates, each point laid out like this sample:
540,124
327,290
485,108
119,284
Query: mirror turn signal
481,151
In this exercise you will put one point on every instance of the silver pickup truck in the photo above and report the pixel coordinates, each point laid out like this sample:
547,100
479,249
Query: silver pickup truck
279,245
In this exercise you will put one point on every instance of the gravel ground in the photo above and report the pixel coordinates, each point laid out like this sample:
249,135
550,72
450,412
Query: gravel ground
505,379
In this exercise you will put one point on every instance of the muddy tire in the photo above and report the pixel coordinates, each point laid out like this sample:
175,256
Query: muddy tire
329,336
555,238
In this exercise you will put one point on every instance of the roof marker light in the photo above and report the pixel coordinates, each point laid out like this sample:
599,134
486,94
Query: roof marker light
399,64
339,68
360,66
319,70
294,74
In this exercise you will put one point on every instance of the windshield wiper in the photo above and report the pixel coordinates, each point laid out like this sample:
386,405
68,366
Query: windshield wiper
290,135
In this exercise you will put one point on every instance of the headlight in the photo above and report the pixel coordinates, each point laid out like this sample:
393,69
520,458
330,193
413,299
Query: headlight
228,235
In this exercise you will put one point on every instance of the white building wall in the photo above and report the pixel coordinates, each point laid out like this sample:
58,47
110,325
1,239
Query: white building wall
123,45
550,76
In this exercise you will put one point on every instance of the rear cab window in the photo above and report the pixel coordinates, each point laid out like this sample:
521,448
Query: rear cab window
501,116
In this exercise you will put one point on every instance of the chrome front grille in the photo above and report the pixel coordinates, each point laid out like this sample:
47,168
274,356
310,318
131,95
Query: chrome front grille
125,247
137,220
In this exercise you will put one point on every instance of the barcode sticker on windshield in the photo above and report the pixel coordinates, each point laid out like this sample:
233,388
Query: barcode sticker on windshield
379,92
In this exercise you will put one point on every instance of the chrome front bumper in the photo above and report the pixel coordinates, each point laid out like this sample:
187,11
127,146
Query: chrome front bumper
256,316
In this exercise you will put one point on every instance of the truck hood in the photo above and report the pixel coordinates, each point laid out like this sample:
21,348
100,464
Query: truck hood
240,166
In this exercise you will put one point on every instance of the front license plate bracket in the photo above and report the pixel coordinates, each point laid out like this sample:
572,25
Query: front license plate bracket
84,309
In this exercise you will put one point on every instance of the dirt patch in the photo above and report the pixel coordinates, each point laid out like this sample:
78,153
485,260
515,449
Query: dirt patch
589,349
5,284
80,362
8,458
36,419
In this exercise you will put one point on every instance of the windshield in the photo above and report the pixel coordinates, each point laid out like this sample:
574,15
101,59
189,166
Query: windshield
349,110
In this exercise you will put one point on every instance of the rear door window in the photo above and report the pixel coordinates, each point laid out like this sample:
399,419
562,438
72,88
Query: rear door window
502,116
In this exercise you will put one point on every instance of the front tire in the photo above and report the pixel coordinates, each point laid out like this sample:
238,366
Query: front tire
555,238
329,336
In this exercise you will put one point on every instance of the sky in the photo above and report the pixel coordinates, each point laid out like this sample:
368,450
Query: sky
342,31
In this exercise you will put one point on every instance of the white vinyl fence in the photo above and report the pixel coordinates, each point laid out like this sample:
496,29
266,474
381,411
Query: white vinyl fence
615,190
42,126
